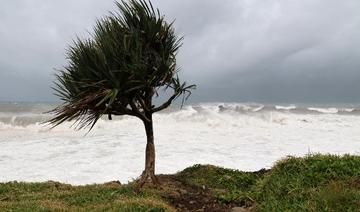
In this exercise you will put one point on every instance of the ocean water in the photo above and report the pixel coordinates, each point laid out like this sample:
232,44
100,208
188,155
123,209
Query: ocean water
244,136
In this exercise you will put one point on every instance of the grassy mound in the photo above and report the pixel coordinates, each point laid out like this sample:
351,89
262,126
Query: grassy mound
313,183
316,183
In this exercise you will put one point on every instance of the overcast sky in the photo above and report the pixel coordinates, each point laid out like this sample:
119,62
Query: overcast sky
234,50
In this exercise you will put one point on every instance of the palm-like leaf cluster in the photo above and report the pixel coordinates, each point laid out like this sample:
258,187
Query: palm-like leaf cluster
130,55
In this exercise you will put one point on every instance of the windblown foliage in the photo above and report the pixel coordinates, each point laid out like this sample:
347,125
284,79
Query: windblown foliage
129,57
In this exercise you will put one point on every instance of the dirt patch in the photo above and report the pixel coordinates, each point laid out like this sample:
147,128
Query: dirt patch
189,198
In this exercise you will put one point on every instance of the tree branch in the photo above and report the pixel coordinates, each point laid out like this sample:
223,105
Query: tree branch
137,111
142,102
166,104
120,110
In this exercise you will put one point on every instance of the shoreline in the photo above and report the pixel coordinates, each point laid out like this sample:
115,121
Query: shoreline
329,181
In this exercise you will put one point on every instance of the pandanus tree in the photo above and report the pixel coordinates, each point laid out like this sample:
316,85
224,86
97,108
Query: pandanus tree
128,61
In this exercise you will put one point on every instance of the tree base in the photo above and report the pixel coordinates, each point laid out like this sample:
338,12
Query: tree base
148,178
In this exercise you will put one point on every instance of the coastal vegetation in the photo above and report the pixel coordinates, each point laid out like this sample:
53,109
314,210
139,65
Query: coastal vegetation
129,60
311,183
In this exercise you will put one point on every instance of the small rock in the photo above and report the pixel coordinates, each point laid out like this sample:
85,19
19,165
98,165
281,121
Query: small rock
192,202
116,182
175,195
227,177
113,183
183,192
238,209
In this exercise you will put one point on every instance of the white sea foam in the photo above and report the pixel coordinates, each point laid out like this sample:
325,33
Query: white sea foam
324,110
291,107
348,110
204,134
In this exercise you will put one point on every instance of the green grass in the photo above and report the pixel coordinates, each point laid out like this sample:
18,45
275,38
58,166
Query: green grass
53,196
312,183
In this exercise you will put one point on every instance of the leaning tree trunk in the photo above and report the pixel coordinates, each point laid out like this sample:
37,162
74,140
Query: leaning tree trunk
148,175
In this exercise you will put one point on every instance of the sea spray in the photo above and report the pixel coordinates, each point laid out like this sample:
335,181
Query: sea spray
235,135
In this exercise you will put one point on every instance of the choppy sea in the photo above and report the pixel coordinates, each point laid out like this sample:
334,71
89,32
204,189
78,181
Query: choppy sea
244,136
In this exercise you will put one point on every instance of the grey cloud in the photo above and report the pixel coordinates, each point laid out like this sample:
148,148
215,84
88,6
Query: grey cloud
235,50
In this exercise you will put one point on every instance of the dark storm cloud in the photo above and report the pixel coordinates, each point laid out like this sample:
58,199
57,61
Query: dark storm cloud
235,50
33,37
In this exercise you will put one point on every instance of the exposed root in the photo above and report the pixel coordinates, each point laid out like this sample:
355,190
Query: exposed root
148,178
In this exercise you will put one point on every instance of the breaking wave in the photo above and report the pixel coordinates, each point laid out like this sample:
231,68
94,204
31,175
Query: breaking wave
290,107
247,137
24,115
